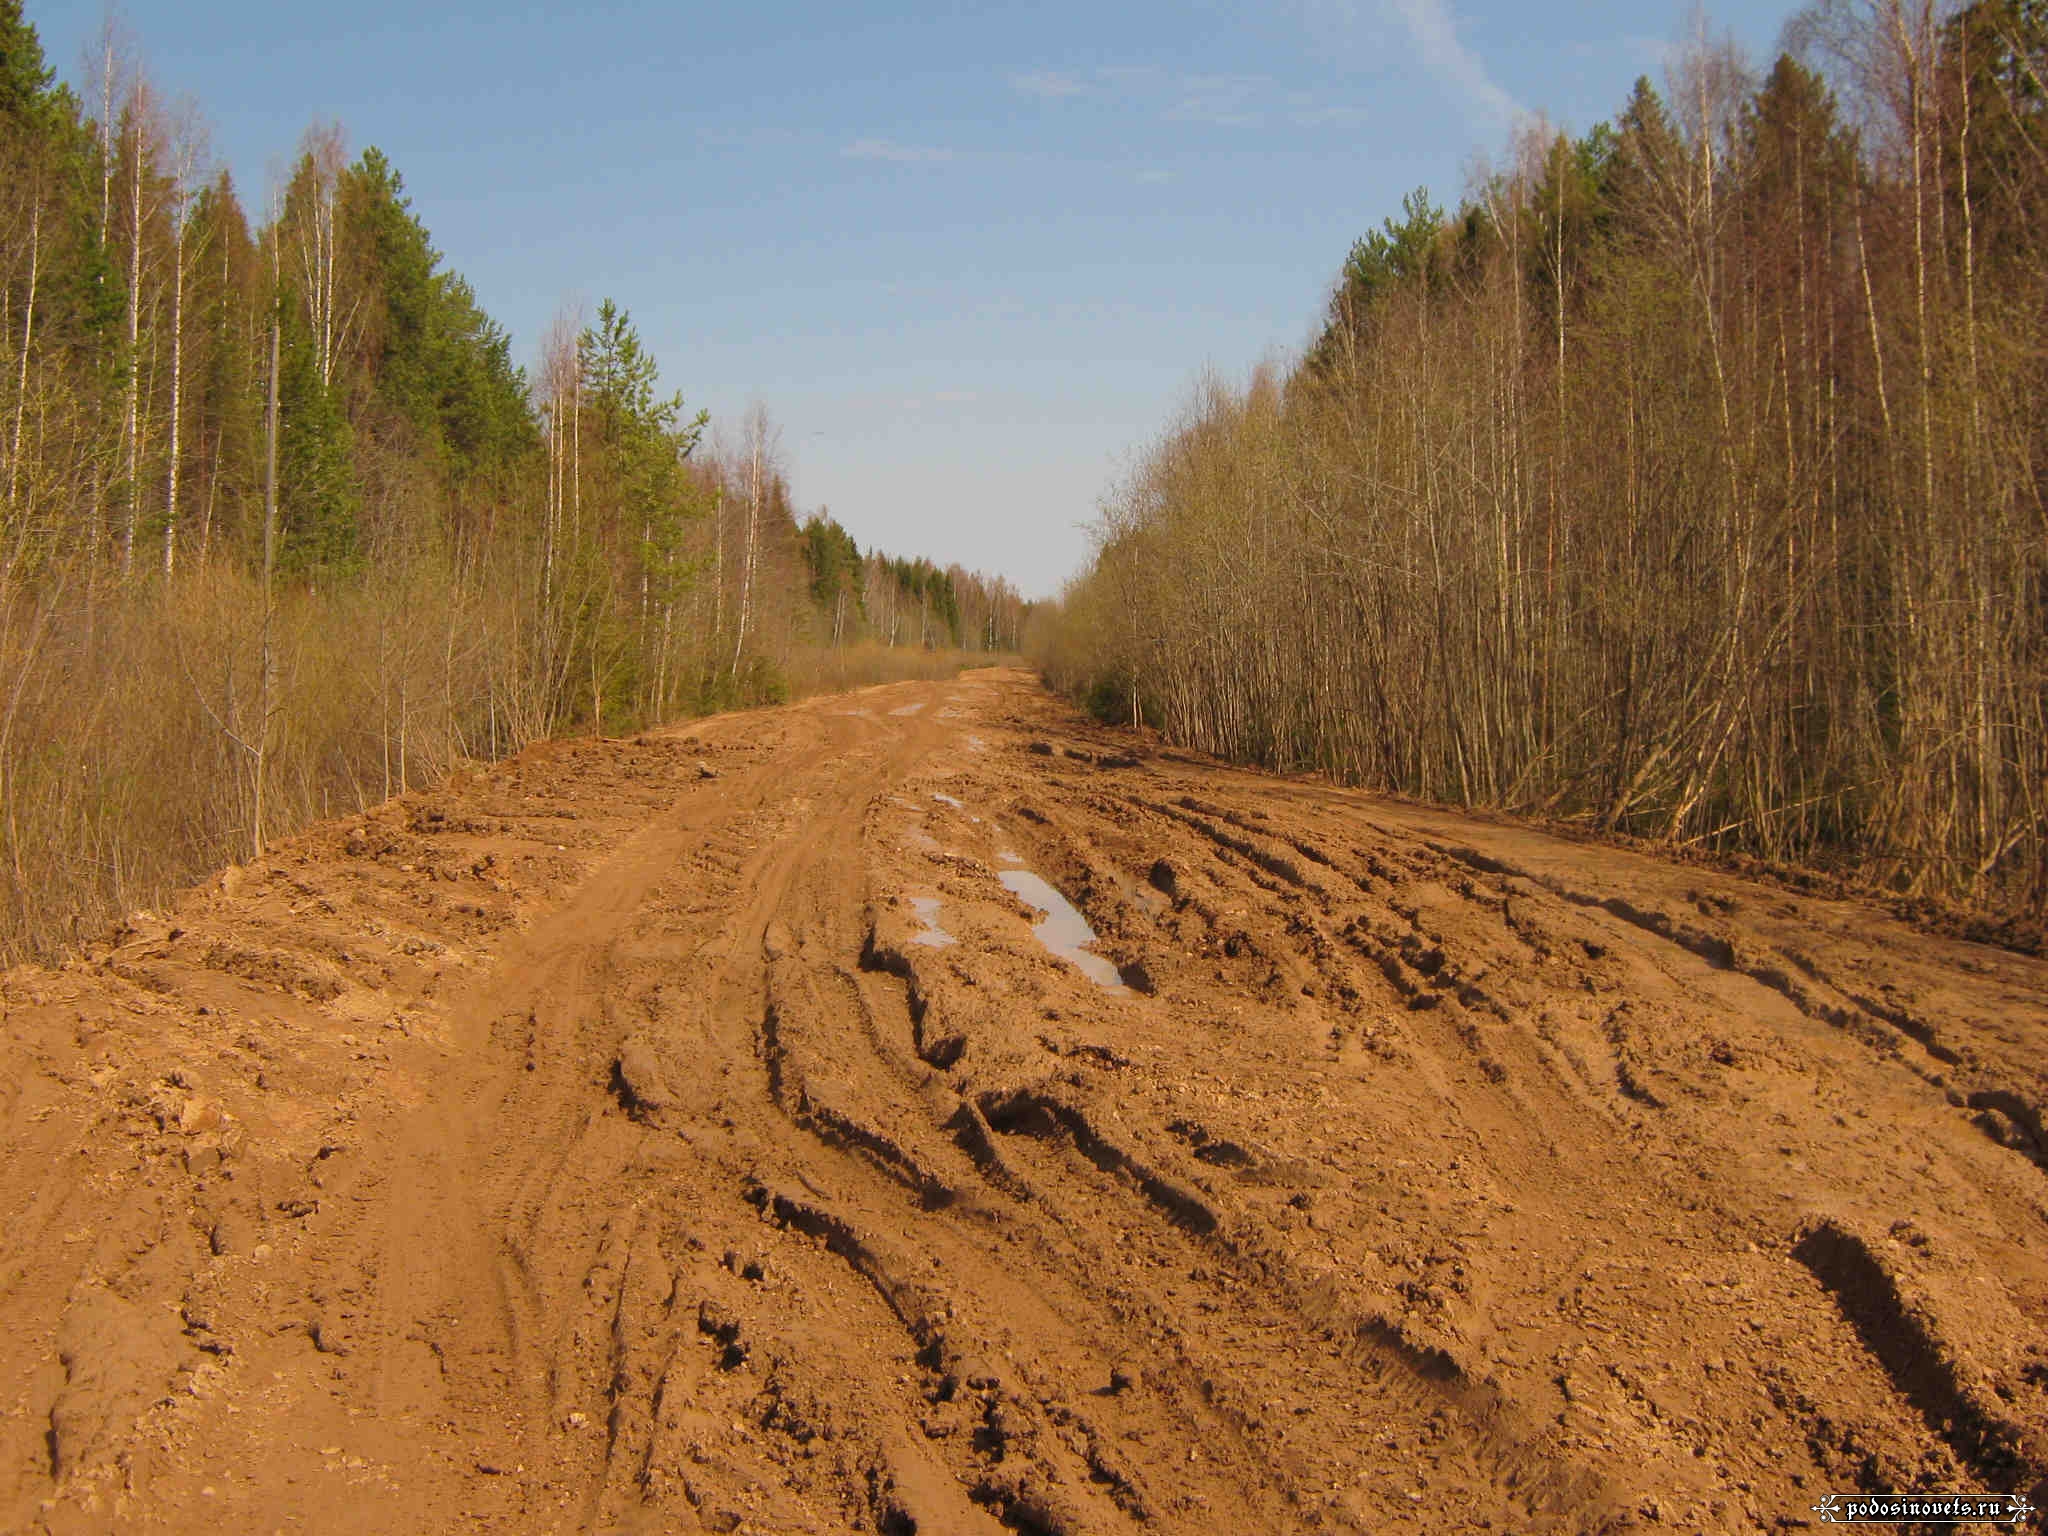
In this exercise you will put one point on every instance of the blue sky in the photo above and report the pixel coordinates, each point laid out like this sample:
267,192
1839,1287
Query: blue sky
971,256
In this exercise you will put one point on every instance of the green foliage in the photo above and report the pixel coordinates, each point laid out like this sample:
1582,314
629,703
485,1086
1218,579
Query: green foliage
1414,250
929,590
317,491
1108,698
463,567
480,393
432,357
226,321
1570,214
762,682
1394,253
88,295
402,344
48,150
758,681
641,445
28,95
1646,167
832,558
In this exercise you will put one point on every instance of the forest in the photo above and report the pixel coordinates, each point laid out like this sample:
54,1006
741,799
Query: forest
1685,480
288,530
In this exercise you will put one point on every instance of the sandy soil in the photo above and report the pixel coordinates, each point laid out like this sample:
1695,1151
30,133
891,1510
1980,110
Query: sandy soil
613,1142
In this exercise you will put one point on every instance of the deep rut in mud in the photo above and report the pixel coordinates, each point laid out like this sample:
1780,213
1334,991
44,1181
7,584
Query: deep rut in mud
606,1142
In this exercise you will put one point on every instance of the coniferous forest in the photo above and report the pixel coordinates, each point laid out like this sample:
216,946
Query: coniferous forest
288,529
1686,479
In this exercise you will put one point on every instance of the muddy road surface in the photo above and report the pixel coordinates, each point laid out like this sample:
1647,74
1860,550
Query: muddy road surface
735,1129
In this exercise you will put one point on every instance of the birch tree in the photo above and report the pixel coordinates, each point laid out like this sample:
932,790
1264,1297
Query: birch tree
761,442
187,157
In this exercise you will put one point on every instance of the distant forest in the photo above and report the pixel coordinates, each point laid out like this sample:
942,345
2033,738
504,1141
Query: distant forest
1686,479
286,529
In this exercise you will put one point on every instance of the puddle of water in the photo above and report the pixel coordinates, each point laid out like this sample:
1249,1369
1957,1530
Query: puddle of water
1064,930
948,800
927,908
908,709
923,841
976,744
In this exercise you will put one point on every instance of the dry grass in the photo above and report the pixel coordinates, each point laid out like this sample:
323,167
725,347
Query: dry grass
127,726
834,670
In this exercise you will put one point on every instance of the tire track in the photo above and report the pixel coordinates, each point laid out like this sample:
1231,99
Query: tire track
602,1146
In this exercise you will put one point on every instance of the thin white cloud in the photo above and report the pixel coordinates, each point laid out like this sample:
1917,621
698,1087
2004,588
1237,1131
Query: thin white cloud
1435,31
1432,30
890,151
1211,100
1049,85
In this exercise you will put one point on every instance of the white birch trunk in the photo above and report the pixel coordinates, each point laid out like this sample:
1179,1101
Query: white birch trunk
756,429
133,429
177,398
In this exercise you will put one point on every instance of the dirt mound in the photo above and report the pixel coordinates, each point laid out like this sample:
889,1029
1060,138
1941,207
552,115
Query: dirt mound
608,1143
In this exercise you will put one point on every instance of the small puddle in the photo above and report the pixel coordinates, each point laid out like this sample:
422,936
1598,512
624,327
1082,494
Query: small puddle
976,744
1064,930
948,800
908,709
927,908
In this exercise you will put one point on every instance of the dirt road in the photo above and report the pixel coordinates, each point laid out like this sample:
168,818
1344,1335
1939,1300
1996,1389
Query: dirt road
692,1132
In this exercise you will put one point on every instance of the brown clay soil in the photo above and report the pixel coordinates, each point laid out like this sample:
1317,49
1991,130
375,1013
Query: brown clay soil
607,1142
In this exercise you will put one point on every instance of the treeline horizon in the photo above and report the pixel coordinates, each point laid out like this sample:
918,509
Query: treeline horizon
287,530
1689,478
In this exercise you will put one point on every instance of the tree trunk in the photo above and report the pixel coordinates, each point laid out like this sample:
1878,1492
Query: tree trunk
134,423
177,399
269,682
758,431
